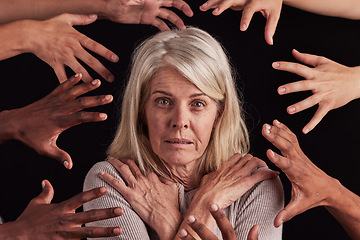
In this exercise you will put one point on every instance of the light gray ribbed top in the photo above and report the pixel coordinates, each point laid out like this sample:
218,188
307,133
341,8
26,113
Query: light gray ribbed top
259,205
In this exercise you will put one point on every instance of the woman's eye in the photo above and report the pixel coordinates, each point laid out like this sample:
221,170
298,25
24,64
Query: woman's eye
163,101
199,104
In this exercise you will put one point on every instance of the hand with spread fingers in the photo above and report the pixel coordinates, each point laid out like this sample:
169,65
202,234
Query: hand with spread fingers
269,9
311,187
333,85
43,220
154,199
227,230
151,12
39,124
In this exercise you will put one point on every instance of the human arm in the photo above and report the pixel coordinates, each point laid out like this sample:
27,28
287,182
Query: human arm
57,43
270,9
333,85
39,124
227,230
155,201
235,181
123,11
311,187
43,220
344,8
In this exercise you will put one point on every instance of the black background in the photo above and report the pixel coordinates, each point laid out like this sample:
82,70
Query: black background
333,145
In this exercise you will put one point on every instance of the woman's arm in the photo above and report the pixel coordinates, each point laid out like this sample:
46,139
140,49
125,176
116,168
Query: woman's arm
336,8
225,186
134,228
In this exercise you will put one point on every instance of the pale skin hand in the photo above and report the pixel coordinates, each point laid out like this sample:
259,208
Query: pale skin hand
155,201
39,124
227,230
270,9
57,43
226,185
42,220
333,85
151,12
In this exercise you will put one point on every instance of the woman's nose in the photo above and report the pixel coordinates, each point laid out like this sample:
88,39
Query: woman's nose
180,118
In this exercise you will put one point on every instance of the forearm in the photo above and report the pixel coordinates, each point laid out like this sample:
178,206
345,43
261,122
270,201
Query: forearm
336,8
9,231
8,127
344,205
12,10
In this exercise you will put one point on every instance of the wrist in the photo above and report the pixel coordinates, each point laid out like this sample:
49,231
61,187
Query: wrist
10,231
168,226
8,126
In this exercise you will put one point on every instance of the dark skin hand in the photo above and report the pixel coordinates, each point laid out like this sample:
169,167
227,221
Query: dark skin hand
39,124
43,220
227,230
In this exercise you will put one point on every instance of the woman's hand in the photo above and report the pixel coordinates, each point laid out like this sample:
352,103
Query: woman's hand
39,124
155,201
270,9
43,220
57,43
151,12
311,187
333,85
233,179
227,230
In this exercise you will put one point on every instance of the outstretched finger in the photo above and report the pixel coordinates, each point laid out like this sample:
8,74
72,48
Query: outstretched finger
291,210
60,73
54,152
169,15
179,4
227,230
201,229
160,24
222,7
95,215
309,59
270,27
299,86
318,116
90,232
254,232
209,4
304,104
68,84
46,196
295,68
246,17
83,197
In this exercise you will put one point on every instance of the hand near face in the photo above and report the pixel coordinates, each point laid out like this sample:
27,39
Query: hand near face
43,220
333,85
311,187
39,124
234,179
57,43
155,201
151,12
227,230
270,9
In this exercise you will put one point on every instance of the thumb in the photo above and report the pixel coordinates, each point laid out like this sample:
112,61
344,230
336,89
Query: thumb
47,194
290,211
59,155
77,19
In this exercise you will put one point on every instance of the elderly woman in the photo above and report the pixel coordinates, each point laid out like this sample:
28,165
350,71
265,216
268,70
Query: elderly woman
182,144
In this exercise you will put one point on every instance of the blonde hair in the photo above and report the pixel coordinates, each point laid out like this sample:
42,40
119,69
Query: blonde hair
202,60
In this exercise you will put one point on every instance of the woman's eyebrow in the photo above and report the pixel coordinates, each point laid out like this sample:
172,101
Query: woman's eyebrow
163,92
170,95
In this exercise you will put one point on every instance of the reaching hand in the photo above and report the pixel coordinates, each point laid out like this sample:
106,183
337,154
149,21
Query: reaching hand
150,12
333,85
155,201
43,220
227,230
270,9
57,43
39,124
311,187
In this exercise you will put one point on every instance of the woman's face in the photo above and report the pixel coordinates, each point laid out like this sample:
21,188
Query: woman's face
180,118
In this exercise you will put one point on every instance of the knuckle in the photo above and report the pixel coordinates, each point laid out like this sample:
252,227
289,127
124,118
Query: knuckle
89,232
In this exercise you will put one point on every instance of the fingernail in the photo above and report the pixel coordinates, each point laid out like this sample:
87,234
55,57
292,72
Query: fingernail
43,184
281,90
277,122
117,231
183,233
214,207
267,128
103,190
114,58
66,164
95,82
291,109
118,211
108,97
275,64
306,130
76,75
101,173
111,78
102,115
92,16
243,27
191,219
